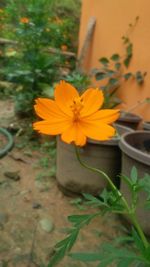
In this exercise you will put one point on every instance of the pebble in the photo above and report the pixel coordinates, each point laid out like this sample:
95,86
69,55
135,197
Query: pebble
13,175
39,185
17,250
47,225
36,205
24,192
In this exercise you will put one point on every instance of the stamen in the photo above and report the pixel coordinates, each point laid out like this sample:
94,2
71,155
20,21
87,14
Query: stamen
76,107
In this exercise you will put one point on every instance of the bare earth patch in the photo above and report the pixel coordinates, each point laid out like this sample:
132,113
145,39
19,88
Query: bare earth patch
33,210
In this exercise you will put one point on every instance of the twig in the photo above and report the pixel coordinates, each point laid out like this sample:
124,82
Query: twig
86,43
58,51
139,103
7,41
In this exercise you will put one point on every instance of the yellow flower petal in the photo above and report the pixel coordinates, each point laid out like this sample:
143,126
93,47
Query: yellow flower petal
92,100
97,130
73,134
64,95
104,116
47,109
51,127
75,117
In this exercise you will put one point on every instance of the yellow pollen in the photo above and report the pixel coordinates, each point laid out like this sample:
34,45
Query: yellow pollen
76,107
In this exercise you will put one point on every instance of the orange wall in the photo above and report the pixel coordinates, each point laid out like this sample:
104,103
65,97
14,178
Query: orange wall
112,20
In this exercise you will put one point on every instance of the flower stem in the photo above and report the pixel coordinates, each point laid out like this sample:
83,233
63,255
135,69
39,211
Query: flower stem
129,211
139,230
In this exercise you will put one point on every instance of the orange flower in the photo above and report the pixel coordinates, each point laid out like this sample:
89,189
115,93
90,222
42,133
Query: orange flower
75,117
64,48
24,20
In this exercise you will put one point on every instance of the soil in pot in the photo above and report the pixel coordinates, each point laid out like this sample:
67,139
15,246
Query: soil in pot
105,156
130,120
136,152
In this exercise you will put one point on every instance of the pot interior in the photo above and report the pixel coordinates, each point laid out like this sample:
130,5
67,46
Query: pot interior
140,141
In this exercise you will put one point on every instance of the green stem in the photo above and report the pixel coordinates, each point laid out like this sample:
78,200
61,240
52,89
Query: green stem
138,228
130,212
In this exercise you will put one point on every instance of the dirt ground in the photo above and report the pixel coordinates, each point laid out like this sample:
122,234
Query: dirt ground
33,210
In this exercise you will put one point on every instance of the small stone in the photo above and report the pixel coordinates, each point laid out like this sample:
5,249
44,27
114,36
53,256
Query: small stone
42,187
13,175
17,250
47,225
3,218
24,192
36,205
39,185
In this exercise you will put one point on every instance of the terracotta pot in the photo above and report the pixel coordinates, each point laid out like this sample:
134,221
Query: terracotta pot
136,152
146,125
130,120
103,155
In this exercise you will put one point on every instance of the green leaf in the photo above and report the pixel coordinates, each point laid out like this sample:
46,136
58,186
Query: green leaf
125,262
127,61
115,57
76,201
117,66
114,102
58,256
52,172
105,195
134,174
129,49
146,253
147,205
105,262
138,241
62,243
127,75
86,256
73,238
113,81
121,240
104,60
81,220
110,73
139,77
77,219
91,200
100,76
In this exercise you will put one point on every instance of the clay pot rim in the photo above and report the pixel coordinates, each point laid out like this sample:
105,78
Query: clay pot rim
113,141
146,125
133,152
128,116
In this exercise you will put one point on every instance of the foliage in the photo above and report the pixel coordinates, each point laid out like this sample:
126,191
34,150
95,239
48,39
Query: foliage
34,26
113,71
79,80
133,250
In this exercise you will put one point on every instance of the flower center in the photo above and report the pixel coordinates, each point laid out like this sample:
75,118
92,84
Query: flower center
76,107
